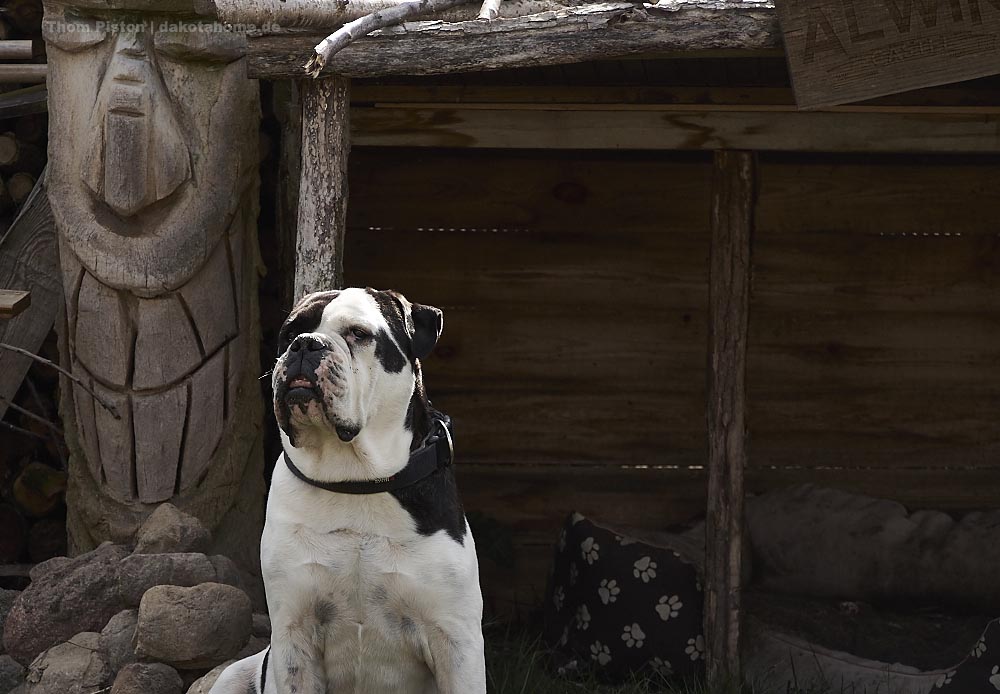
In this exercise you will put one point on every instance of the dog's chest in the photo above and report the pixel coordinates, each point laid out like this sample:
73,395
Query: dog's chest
360,578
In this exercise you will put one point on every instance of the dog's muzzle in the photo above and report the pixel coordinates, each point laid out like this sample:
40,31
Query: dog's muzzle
302,364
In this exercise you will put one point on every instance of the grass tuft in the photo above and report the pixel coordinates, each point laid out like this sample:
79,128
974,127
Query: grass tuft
519,662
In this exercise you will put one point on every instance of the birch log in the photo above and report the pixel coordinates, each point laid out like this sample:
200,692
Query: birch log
363,26
326,145
733,189
568,35
276,16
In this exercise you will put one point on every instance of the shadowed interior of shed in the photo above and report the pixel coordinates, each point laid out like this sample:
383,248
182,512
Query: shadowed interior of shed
574,286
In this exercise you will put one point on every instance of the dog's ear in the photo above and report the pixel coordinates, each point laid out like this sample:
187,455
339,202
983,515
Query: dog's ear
427,325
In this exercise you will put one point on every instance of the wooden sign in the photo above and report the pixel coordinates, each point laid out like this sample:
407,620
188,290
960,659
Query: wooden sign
847,50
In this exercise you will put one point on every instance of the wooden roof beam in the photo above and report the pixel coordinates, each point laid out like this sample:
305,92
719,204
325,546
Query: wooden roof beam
598,31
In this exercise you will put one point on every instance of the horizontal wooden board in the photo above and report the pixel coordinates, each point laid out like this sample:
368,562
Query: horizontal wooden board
533,502
673,129
553,91
904,197
13,302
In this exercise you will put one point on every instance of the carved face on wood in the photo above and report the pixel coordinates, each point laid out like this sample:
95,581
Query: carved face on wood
153,184
347,360
151,126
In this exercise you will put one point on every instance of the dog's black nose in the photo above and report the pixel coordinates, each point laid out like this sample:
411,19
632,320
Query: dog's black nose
311,344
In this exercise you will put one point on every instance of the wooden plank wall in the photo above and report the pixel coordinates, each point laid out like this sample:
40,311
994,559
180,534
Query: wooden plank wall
574,286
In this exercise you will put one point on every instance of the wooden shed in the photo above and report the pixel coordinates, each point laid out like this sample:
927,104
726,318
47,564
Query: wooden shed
565,230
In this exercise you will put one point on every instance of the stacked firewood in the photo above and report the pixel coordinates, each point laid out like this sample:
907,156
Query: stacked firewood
22,137
22,158
32,450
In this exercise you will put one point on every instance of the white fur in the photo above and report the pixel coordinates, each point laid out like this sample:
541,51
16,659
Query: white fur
360,602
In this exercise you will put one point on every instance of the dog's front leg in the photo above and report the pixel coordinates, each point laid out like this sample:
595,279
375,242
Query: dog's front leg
458,662
297,659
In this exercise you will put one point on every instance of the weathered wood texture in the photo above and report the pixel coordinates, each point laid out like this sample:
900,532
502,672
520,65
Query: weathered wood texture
13,302
22,74
322,212
733,199
846,51
15,49
28,260
575,289
573,34
23,102
666,127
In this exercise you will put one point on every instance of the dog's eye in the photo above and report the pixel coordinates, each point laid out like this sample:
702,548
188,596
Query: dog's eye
360,333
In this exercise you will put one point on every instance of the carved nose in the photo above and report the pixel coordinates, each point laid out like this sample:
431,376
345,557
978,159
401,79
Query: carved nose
310,344
137,155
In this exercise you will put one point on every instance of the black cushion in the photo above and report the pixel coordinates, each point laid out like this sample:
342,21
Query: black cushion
622,605
979,673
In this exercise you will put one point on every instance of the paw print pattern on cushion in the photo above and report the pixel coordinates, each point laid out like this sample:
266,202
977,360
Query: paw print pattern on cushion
633,636
645,569
696,647
590,550
980,671
558,596
636,604
600,653
608,591
669,607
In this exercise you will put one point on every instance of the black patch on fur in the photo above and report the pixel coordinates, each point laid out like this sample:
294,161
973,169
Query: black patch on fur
263,670
427,322
324,611
392,311
304,318
388,355
432,502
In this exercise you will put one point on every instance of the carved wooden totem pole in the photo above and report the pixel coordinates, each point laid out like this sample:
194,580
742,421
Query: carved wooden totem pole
153,182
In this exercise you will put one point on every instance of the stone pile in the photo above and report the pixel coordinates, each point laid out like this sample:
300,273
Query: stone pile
159,618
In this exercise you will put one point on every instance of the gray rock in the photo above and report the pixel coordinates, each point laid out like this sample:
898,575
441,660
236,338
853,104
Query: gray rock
38,571
170,530
261,625
254,646
140,572
7,598
74,667
11,673
76,595
204,684
192,628
148,678
116,639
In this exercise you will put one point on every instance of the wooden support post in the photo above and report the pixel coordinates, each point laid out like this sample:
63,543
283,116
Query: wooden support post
322,216
733,189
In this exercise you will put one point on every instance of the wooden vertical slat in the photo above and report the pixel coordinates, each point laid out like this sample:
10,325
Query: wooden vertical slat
322,215
733,191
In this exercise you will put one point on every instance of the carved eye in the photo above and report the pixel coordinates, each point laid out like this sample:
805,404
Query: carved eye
73,36
360,333
200,45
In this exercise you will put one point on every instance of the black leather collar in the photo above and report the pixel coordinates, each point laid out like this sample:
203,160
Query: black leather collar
435,453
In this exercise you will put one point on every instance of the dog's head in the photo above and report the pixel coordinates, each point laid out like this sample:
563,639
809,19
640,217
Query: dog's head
347,359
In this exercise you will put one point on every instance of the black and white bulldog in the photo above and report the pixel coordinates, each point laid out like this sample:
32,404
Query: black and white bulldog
369,566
